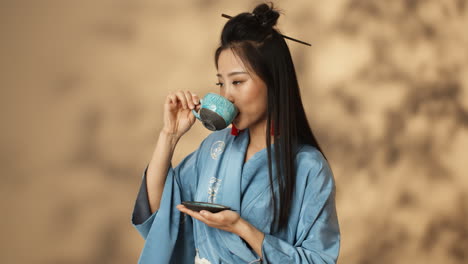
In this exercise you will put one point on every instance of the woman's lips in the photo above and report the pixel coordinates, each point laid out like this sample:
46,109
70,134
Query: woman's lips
236,119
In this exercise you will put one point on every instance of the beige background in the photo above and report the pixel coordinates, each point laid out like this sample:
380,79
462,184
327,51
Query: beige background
385,86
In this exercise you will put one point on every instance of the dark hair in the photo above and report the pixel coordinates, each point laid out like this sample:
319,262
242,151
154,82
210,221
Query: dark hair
253,38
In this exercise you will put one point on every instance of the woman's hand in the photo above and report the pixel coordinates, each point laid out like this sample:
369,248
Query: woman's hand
230,221
178,117
226,220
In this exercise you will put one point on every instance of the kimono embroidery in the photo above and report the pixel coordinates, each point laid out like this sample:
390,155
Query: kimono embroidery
199,260
213,189
217,149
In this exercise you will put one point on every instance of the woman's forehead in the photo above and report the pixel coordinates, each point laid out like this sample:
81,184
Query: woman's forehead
228,62
228,58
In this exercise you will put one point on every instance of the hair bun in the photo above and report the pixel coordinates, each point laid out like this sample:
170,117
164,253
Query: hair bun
266,15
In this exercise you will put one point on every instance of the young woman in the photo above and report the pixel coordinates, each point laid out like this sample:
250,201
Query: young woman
268,167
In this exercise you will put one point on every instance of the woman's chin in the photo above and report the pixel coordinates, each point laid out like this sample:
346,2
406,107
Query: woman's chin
236,122
238,125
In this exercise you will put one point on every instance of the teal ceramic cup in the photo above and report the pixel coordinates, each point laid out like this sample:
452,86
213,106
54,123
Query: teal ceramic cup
216,112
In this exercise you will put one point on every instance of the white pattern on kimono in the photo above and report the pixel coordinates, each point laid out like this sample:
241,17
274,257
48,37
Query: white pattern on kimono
213,189
217,149
198,260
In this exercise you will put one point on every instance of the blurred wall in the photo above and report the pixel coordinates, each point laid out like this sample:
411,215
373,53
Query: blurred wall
385,86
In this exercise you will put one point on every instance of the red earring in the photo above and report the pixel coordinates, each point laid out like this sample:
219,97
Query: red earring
272,129
234,130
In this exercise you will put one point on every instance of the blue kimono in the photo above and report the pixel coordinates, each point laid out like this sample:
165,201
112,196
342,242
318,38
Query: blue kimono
216,173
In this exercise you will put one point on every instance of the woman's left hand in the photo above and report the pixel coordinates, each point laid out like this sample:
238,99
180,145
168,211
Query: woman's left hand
230,221
226,220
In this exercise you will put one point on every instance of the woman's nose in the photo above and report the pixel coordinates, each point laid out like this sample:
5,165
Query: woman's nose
228,95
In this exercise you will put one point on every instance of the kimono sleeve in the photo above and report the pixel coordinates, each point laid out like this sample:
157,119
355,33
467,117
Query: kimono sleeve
142,218
317,236
179,185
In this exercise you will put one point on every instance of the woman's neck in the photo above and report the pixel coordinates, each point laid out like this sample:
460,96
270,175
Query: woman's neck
257,136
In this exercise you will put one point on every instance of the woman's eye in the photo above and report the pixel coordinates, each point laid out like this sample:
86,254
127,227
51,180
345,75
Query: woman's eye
236,82
219,84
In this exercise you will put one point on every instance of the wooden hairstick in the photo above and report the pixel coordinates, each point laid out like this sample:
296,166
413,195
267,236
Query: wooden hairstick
286,37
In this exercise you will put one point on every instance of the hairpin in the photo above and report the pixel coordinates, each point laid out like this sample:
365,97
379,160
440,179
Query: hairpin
286,37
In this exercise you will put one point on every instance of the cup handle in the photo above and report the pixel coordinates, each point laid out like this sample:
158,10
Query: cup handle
195,112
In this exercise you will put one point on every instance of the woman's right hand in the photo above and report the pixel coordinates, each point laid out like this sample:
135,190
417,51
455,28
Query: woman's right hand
178,117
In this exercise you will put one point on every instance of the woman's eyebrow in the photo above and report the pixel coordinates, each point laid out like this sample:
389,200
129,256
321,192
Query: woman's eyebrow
232,73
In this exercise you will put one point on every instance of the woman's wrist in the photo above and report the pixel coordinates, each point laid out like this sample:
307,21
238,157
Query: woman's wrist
251,235
169,139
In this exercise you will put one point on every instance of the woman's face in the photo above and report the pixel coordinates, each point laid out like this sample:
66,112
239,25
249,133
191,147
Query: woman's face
243,88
